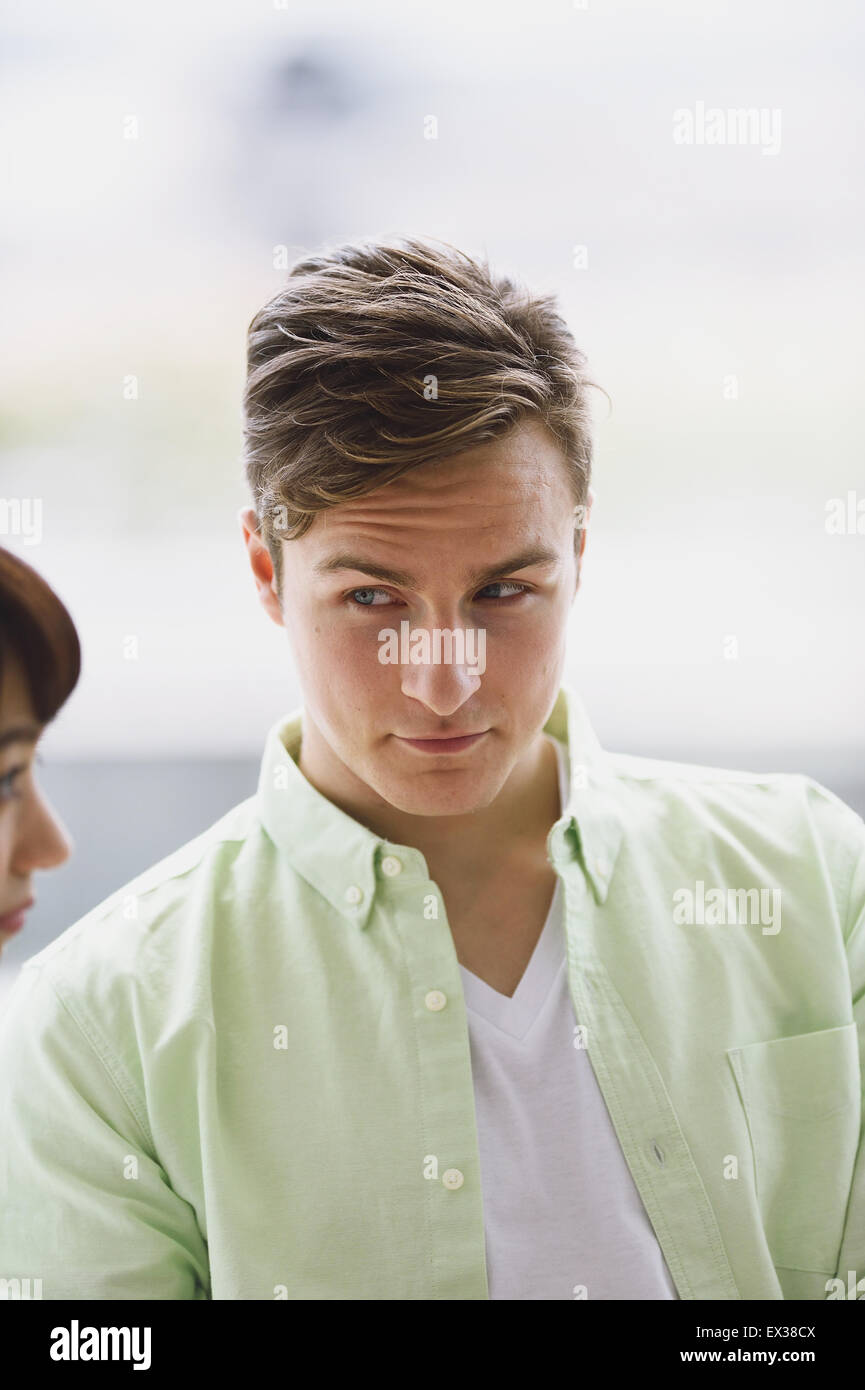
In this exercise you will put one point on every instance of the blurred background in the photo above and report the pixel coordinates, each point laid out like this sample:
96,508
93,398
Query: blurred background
162,169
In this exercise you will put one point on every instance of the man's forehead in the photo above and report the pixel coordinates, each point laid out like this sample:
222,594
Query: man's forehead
450,513
413,534
430,497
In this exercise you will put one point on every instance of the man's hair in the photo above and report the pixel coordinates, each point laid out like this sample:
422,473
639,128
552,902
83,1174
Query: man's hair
377,357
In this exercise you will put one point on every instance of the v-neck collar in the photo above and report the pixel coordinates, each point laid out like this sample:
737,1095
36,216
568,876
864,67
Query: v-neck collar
514,1014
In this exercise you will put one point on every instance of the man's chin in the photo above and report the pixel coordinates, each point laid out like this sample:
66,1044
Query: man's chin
415,799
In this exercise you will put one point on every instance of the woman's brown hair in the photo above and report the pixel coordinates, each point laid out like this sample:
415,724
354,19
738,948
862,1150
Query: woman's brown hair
36,628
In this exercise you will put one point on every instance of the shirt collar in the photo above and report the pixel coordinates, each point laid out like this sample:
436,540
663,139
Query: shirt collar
591,823
342,860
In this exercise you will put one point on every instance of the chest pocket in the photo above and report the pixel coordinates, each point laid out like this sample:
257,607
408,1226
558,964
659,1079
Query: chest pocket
801,1097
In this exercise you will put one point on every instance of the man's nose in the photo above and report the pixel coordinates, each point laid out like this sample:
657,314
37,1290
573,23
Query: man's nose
442,676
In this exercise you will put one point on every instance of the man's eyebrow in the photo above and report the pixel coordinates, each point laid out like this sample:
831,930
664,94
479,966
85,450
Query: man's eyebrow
20,733
538,555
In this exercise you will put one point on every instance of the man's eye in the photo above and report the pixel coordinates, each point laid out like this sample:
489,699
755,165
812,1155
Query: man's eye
506,584
366,599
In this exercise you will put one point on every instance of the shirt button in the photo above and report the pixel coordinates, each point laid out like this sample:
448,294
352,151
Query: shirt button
453,1178
602,868
391,866
435,1000
353,894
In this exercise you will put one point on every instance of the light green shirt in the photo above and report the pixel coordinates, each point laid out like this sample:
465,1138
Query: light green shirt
236,1079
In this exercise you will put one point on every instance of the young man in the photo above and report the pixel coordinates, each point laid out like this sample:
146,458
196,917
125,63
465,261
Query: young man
458,1006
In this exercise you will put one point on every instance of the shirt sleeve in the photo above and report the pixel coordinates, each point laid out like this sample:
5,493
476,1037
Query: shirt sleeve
85,1206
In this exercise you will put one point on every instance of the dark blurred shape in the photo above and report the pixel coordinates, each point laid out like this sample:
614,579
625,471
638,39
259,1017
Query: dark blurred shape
301,120
314,85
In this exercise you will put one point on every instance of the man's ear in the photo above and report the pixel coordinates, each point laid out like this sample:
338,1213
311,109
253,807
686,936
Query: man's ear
260,564
586,511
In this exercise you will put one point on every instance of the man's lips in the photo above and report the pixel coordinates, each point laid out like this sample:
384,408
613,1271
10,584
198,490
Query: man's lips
13,921
453,743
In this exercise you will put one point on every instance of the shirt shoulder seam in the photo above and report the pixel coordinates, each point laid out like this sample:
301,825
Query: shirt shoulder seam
110,1065
657,770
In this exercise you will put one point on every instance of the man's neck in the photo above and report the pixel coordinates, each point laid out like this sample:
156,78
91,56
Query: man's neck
522,814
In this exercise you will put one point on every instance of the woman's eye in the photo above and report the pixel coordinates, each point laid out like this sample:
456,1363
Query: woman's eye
7,783
505,584
366,599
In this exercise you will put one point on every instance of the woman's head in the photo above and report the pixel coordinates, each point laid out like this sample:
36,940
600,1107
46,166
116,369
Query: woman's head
40,661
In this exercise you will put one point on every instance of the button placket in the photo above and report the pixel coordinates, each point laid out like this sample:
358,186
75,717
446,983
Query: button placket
446,1096
625,1070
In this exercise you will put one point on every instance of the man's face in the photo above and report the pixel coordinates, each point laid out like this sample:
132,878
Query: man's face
484,539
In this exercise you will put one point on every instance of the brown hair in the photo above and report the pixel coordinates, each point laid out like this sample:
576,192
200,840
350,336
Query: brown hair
37,628
377,357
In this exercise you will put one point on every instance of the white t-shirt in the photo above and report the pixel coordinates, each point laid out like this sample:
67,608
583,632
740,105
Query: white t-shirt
561,1210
